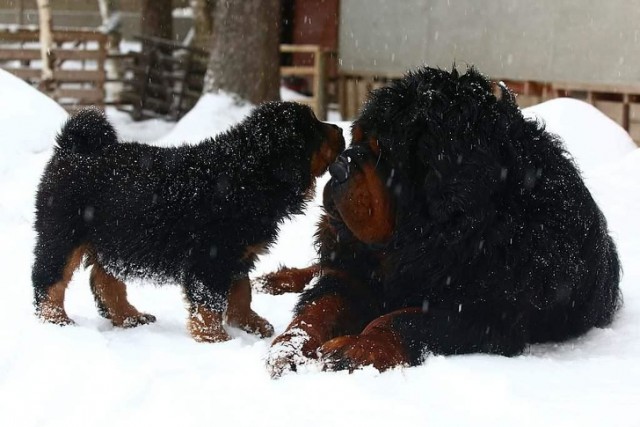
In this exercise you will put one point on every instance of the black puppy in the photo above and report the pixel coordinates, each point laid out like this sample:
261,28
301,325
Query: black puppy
197,215
452,225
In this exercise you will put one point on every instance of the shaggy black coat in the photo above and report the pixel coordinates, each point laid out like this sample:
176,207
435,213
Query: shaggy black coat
191,214
497,241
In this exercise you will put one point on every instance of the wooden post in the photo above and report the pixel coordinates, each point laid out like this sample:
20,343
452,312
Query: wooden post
625,112
20,12
319,90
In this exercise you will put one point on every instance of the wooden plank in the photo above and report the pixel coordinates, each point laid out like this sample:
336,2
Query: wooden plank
590,87
79,76
311,102
27,35
19,54
34,54
297,71
299,48
25,73
87,96
20,36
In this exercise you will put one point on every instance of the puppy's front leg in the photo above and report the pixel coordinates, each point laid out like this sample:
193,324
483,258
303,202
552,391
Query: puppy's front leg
206,310
239,312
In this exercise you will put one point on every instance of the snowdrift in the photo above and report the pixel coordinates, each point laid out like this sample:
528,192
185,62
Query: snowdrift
97,375
592,138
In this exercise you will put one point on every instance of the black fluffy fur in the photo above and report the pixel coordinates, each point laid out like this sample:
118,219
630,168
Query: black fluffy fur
497,238
184,214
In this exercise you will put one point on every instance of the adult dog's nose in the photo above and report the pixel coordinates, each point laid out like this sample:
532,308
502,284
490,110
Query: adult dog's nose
339,169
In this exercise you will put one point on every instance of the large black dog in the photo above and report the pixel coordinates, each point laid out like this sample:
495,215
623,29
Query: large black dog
453,225
197,215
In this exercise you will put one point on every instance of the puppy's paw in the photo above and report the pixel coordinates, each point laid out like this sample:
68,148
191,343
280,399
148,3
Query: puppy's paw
134,320
206,326
54,314
256,325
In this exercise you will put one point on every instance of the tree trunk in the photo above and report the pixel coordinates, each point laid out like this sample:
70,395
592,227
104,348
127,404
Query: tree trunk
245,54
202,22
111,25
46,44
156,19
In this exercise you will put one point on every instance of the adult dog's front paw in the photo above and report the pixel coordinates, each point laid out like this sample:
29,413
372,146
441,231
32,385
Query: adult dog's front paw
351,352
291,349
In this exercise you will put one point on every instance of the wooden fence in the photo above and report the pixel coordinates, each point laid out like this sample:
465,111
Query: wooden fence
78,69
619,99
622,96
164,80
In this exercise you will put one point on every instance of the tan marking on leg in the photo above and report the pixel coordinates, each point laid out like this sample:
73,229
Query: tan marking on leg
52,308
205,325
240,314
112,293
287,280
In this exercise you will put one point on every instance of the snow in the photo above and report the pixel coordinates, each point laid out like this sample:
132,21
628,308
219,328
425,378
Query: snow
591,146
94,374
212,113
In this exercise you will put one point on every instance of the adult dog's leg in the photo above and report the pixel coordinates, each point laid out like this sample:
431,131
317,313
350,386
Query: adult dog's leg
405,336
286,280
239,312
111,298
335,306
53,268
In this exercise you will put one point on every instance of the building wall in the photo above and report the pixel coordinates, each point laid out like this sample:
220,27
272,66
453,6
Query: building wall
592,41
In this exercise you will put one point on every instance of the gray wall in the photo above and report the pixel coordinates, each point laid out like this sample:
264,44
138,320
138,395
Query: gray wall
593,41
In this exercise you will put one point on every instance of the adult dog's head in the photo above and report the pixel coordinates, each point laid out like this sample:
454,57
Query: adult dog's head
427,149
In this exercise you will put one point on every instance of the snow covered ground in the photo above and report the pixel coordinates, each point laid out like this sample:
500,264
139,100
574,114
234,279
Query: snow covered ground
95,375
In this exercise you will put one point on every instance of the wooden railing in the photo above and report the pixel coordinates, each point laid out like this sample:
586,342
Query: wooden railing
76,83
165,79
317,72
355,87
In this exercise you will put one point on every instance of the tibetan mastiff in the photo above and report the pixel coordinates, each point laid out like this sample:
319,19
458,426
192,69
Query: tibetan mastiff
452,225
197,214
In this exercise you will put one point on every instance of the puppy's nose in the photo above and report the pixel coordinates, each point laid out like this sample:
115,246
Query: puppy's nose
339,170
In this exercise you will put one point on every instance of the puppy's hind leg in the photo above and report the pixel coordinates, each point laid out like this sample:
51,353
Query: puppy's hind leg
111,298
239,312
53,268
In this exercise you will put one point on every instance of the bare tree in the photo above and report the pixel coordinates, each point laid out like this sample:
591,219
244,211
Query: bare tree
156,19
111,25
46,43
245,56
